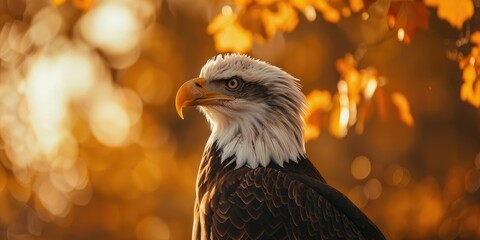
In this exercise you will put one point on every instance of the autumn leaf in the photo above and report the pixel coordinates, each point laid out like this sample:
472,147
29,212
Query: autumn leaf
403,107
408,17
475,38
229,35
356,5
339,116
233,38
470,89
318,100
319,103
470,64
221,21
330,14
469,74
456,12
285,18
306,8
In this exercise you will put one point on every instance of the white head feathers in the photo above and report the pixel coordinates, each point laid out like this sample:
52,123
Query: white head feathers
264,123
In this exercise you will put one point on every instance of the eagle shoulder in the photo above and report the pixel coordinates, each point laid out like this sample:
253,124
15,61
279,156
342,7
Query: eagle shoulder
267,203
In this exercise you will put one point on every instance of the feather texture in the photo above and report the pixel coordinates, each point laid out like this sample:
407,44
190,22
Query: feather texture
273,202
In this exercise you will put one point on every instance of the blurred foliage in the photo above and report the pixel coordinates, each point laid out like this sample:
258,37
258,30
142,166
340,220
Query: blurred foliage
91,146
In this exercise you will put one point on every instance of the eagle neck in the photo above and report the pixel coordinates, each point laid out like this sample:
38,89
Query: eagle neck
256,142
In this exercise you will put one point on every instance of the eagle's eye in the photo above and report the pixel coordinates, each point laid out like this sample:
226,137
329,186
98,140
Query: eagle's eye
233,84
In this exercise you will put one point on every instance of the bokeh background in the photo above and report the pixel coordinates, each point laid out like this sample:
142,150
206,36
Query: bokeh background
91,146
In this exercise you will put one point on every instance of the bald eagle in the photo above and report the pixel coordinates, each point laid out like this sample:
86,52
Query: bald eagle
254,179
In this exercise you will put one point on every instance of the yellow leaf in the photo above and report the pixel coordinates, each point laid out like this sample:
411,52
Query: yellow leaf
306,8
330,14
456,12
284,19
356,5
219,22
311,132
475,38
58,2
229,35
466,91
469,74
340,115
233,38
401,102
318,100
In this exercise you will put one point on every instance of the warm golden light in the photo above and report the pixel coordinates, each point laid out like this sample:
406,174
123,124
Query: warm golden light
401,34
91,147
112,27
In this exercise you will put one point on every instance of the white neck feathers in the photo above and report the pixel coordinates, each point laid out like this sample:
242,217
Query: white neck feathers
255,140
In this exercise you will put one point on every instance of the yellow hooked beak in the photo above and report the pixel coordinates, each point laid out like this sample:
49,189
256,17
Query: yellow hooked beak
193,93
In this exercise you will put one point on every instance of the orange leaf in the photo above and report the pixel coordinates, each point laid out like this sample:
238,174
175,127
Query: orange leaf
318,102
401,102
330,14
356,5
456,12
311,132
284,19
475,38
220,21
469,74
340,115
233,38
408,16
229,35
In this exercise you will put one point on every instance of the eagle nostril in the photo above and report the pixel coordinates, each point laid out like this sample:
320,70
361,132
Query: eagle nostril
198,84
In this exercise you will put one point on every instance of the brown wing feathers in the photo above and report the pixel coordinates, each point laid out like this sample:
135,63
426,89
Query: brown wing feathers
289,202
268,204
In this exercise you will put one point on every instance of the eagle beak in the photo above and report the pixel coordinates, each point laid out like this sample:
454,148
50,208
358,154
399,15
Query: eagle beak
193,93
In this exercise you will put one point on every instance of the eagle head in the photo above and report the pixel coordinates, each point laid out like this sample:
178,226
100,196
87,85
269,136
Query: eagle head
255,110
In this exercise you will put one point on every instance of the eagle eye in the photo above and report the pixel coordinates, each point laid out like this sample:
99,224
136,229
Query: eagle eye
233,84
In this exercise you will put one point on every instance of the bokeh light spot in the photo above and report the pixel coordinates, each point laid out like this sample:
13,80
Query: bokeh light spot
110,122
396,175
374,188
112,27
360,167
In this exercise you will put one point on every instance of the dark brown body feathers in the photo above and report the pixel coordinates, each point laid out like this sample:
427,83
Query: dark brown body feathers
273,202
